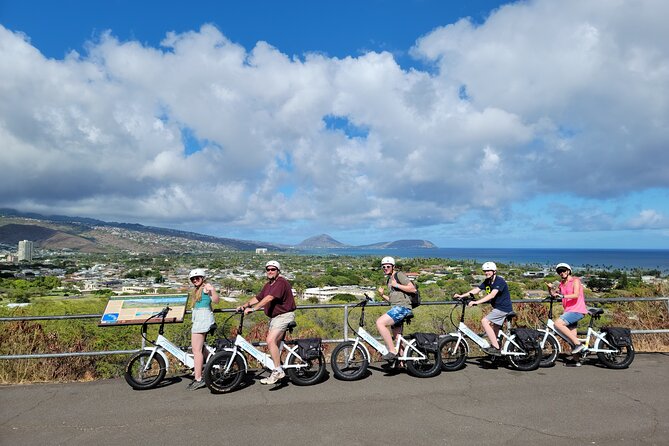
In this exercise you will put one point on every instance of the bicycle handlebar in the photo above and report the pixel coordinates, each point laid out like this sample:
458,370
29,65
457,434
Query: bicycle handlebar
466,299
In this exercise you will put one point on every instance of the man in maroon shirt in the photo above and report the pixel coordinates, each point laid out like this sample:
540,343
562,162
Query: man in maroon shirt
276,299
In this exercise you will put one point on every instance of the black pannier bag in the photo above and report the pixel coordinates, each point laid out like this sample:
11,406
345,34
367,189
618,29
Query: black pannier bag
527,338
309,348
618,336
427,341
222,343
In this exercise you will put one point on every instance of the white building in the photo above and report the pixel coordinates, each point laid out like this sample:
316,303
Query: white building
25,250
261,250
326,293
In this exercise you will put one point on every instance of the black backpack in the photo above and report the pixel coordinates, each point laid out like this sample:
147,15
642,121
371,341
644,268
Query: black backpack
415,297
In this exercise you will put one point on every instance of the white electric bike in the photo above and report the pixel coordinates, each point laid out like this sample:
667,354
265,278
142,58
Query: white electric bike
303,361
147,368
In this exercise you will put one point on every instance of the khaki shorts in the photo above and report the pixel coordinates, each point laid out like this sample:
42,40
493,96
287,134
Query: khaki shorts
281,321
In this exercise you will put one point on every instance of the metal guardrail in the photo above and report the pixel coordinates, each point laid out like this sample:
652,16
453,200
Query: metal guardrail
346,308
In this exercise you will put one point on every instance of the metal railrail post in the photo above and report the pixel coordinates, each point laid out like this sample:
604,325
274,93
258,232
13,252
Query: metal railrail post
346,322
302,307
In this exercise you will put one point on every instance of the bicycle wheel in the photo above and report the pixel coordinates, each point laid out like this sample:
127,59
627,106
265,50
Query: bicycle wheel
305,372
620,359
453,354
223,372
423,368
348,362
143,372
528,360
550,349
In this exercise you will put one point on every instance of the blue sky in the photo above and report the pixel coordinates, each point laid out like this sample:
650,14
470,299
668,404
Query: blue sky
470,124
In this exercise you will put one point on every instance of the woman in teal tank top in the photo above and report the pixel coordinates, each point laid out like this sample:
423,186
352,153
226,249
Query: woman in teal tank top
203,318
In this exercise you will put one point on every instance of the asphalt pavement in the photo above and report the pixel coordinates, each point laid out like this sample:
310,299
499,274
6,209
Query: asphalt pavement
588,405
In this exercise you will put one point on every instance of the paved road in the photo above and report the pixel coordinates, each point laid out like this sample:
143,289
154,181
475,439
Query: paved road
557,406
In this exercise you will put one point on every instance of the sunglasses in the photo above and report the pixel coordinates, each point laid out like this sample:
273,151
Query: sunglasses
271,269
386,266
562,270
193,279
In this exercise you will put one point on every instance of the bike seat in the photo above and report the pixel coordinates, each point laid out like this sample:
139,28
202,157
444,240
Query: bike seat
595,311
510,315
291,325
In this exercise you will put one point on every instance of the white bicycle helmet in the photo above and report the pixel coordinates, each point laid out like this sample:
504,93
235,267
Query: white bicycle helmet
197,272
273,263
562,265
388,261
489,266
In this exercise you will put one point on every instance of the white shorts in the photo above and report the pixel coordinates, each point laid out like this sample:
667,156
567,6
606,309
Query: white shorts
203,319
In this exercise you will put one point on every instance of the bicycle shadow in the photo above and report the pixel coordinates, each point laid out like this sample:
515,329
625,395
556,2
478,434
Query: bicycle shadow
253,379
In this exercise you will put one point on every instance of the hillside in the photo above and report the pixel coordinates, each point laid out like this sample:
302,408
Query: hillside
96,236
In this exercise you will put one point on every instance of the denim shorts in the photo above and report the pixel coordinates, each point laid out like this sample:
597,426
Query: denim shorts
398,313
203,319
571,319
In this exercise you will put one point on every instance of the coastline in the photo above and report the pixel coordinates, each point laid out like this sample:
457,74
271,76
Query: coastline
623,259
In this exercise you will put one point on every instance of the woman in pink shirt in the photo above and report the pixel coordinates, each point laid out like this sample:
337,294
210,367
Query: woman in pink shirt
573,301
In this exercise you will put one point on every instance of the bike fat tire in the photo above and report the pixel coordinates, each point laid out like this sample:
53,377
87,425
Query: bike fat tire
141,379
453,355
305,376
425,368
616,360
549,350
349,363
527,362
217,379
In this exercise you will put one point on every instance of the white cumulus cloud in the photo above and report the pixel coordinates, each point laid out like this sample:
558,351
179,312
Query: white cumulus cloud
542,96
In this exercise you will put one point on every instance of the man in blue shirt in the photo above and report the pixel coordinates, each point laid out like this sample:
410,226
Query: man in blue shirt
497,293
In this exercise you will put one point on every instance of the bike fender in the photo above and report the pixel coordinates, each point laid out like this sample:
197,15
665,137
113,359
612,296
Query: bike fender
160,352
364,347
246,365
236,351
462,341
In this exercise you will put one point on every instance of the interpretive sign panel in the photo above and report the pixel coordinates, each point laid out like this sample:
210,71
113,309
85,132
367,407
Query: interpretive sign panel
134,310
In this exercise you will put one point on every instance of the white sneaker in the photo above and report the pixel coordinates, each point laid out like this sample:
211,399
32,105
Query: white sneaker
276,375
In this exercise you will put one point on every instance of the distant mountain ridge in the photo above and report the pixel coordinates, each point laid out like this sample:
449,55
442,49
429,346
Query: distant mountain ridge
91,235
321,241
401,244
325,241
57,232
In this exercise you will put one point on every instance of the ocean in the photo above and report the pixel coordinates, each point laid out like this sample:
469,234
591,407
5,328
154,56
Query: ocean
624,259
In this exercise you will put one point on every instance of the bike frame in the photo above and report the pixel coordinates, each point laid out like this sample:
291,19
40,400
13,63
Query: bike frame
598,336
550,329
242,345
463,332
162,345
407,346
362,334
